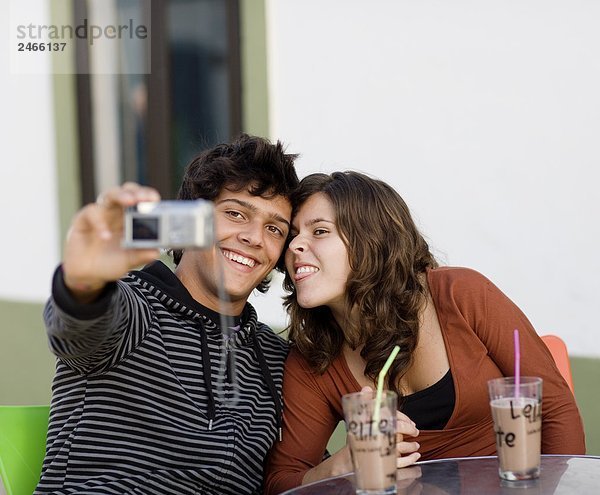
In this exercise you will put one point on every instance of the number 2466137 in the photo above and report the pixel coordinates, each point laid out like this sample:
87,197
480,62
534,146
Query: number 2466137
41,47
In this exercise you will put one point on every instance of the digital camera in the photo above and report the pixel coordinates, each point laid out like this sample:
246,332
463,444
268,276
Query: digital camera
169,224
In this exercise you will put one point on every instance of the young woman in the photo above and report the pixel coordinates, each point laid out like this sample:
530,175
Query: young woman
361,280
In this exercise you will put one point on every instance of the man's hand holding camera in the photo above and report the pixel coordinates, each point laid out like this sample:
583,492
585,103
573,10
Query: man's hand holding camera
94,254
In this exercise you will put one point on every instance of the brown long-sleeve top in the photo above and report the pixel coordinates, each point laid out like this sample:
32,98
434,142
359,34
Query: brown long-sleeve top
477,322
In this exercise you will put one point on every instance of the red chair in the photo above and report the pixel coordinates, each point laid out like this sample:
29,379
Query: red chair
559,352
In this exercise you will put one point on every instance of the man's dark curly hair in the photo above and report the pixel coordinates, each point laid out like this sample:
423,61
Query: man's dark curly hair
249,162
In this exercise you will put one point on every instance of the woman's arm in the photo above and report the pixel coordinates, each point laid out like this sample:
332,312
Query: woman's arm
341,462
338,464
308,422
562,428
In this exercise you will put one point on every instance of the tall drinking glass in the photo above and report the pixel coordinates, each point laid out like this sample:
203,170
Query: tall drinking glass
517,414
372,441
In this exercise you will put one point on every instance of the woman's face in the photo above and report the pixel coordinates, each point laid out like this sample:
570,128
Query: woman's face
317,259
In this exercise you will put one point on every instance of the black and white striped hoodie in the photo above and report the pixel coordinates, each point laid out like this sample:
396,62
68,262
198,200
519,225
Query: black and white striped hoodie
139,401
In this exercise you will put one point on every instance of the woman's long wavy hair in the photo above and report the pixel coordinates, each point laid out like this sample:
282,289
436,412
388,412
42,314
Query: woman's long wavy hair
386,288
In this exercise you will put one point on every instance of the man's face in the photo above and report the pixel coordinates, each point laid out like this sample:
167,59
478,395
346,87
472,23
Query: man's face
250,236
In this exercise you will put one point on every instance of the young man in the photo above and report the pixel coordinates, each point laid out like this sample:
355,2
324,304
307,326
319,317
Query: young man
141,400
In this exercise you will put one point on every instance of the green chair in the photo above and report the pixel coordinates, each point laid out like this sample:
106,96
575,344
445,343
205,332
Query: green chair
22,447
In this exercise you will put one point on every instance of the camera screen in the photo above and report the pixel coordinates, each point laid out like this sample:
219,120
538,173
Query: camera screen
144,229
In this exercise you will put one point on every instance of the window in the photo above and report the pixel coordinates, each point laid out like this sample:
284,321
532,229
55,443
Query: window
145,127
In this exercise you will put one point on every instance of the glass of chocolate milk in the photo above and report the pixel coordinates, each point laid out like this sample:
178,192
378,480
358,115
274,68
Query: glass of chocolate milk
372,441
517,415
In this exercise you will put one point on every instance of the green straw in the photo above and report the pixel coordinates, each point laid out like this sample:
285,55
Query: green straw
380,380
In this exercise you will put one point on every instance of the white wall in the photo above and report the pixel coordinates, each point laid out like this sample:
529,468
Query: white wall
29,246
485,115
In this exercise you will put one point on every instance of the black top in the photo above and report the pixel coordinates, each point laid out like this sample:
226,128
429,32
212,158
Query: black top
431,407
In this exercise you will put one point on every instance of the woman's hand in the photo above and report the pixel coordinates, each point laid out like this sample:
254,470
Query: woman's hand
406,451
338,464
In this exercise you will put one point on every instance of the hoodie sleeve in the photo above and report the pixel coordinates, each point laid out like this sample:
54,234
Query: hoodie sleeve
91,338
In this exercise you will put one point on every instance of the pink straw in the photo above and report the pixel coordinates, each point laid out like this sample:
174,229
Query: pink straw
517,363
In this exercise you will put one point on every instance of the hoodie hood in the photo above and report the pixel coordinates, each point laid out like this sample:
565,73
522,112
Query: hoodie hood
162,282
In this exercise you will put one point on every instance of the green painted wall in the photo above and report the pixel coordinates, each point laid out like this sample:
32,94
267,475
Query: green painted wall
255,88
586,377
26,365
65,128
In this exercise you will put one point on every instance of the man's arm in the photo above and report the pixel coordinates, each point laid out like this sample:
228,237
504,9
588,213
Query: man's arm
86,315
